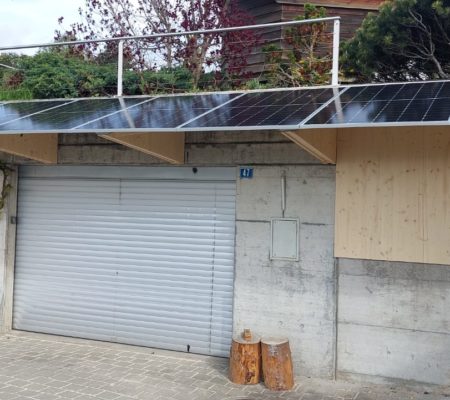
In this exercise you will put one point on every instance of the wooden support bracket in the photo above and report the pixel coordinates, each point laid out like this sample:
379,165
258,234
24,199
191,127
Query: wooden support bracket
42,147
168,146
321,143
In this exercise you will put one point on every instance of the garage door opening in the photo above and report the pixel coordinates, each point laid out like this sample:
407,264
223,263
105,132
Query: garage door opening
133,255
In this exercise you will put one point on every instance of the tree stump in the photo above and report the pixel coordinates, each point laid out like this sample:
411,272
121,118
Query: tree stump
277,363
245,360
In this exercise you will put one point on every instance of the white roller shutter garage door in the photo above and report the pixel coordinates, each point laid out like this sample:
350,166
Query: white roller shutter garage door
127,254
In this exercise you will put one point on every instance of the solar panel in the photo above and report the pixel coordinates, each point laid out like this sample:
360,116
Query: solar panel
68,116
162,112
369,105
277,108
16,110
387,104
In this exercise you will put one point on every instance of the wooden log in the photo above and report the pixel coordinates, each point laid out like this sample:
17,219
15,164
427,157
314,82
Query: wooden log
277,363
245,360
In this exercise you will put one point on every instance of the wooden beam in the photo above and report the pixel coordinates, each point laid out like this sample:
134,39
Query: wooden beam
168,146
321,143
42,147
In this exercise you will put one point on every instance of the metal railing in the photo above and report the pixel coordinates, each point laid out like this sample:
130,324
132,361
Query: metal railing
121,40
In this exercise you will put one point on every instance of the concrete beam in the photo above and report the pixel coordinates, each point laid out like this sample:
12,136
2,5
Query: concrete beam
168,146
321,143
40,147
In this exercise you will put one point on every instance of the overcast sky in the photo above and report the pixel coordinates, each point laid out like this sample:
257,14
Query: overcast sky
34,21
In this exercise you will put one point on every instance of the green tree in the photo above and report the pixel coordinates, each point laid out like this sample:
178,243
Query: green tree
224,53
54,74
303,58
406,40
49,75
11,78
65,74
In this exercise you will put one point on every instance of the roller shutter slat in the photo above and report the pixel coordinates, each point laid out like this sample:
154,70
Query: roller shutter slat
144,262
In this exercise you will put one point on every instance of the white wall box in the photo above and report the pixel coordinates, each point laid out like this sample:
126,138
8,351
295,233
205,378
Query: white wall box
284,239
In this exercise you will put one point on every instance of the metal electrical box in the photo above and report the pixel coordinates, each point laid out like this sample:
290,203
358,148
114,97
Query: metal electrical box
284,239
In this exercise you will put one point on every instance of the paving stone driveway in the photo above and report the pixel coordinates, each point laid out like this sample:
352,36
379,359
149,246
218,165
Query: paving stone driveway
43,367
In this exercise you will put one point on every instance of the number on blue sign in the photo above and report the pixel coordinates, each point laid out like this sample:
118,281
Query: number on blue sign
246,173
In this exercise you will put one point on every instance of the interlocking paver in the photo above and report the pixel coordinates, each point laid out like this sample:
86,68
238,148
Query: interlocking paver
35,367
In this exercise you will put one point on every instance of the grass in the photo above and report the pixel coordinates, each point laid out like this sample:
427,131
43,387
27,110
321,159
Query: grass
15,94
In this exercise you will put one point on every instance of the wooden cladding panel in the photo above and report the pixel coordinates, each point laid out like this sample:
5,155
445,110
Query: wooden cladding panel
393,194
436,225
267,11
167,146
320,143
255,4
42,147
364,5
264,12
351,18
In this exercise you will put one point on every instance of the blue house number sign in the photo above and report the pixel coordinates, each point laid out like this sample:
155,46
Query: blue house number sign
246,173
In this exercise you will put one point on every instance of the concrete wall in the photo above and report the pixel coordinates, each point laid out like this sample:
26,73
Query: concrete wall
296,299
393,318
394,321
280,298
226,148
3,277
7,255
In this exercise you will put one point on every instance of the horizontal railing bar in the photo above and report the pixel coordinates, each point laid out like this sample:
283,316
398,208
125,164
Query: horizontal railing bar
171,34
9,67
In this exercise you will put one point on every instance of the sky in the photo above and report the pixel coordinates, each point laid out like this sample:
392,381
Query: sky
34,21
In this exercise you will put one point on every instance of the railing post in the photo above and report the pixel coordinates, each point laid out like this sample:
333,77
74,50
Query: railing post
336,41
120,68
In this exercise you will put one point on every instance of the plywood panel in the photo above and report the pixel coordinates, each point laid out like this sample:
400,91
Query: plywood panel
321,143
167,146
40,147
437,194
392,191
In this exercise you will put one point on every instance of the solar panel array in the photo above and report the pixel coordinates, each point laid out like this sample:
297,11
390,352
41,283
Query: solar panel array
278,108
370,105
58,115
161,112
395,103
